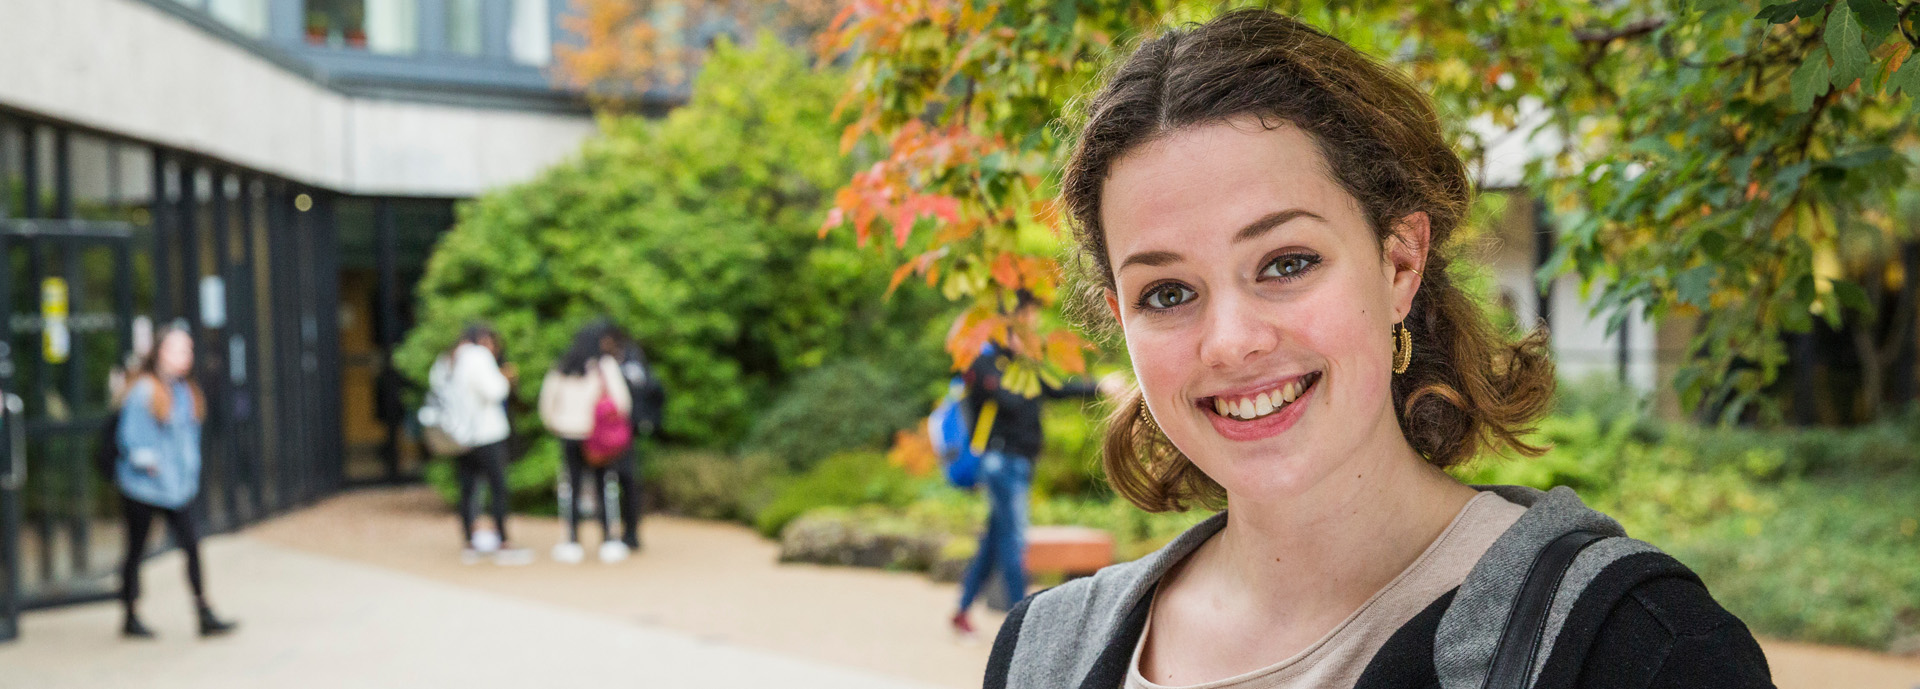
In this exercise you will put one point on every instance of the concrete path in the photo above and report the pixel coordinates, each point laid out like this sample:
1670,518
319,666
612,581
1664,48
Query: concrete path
316,621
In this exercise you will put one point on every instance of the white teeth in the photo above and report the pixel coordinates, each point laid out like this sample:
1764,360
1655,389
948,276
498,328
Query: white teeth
1250,408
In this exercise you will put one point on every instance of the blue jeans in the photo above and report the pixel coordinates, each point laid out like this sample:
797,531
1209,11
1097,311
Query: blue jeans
1008,480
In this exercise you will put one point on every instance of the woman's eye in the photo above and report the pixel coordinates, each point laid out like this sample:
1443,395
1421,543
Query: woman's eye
1166,296
1290,266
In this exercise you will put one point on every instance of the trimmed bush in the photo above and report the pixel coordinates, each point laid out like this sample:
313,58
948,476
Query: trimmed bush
843,406
711,485
843,480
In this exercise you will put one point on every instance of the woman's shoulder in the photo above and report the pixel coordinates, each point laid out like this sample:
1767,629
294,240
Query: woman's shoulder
1670,631
1055,635
141,390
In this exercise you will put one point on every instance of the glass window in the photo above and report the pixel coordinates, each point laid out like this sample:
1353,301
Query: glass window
531,39
337,23
464,34
393,26
246,16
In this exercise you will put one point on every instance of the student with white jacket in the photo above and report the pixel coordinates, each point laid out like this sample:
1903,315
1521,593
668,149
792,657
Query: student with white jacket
472,390
585,402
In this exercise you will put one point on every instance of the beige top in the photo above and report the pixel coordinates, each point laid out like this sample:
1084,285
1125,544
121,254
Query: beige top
1338,658
567,402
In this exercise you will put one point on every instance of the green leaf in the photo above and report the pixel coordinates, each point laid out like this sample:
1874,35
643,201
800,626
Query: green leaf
1843,43
1809,80
1876,16
1852,296
1785,12
1695,286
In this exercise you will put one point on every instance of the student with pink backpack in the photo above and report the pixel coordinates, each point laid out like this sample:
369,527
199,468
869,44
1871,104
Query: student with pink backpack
585,401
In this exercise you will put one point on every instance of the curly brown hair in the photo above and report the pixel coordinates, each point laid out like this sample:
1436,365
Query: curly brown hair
1468,389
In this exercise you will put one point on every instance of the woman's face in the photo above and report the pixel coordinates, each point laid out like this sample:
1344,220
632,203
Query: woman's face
1257,304
175,357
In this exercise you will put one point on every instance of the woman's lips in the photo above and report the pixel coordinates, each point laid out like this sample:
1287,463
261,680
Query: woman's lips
1272,423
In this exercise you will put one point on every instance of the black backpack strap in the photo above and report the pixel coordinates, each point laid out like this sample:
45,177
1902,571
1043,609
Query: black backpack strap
1514,659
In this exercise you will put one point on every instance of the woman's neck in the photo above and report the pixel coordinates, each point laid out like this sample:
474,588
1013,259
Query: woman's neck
1319,555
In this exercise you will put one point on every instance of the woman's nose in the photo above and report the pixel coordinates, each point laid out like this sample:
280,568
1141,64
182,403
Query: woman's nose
1238,328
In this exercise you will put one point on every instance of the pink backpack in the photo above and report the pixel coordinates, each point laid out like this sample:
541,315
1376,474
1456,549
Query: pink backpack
612,431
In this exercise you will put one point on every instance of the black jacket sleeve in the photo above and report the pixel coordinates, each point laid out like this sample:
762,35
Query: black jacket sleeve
1669,633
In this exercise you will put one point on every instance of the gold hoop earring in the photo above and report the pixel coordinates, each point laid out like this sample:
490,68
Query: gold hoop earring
1147,416
1402,348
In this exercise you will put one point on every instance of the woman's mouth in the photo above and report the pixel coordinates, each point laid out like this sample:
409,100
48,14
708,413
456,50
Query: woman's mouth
1248,407
1264,413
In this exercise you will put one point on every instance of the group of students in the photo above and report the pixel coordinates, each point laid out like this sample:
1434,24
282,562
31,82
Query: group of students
597,399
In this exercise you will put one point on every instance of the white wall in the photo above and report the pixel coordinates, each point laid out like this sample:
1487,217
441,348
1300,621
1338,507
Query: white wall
1581,345
132,69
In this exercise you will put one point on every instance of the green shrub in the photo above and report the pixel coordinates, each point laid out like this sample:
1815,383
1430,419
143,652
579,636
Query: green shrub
698,233
1806,534
712,485
843,406
843,480
1069,463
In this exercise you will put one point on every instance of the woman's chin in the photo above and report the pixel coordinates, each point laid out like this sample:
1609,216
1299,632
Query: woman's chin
1269,476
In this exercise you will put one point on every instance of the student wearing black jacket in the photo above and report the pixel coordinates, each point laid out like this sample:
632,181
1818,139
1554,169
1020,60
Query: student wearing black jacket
1269,213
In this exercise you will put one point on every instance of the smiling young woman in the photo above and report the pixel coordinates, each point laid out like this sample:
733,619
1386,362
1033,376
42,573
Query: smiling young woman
1267,213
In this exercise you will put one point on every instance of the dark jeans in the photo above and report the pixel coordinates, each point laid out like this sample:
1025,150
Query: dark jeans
488,463
139,516
622,469
1009,481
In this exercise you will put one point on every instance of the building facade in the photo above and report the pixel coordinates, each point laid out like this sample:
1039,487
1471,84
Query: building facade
272,173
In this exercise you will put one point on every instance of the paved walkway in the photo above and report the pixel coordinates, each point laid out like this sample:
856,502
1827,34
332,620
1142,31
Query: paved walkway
316,621
365,590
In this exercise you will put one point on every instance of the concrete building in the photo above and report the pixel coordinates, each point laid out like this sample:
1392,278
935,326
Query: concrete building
274,172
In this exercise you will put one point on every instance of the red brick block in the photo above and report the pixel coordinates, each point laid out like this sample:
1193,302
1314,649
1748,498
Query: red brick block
1071,550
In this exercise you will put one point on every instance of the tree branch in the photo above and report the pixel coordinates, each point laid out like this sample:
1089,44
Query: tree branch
1633,30
1901,21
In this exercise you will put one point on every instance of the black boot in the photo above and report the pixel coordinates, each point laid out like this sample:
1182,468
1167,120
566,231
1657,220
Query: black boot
213,626
133,629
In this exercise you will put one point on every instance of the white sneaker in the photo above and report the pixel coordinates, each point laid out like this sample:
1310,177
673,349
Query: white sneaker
569,553
485,542
613,551
513,557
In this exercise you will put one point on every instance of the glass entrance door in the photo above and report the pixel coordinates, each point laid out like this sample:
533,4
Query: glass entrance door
66,286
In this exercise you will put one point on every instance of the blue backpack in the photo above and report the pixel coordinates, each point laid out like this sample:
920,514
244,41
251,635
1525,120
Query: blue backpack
950,428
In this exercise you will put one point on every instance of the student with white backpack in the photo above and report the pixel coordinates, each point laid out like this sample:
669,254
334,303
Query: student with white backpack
467,417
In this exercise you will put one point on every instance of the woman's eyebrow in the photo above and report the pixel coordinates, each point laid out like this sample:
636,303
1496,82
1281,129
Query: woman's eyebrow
1150,258
1272,220
1253,229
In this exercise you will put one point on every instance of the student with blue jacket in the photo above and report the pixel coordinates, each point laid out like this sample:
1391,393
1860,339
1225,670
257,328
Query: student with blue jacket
158,470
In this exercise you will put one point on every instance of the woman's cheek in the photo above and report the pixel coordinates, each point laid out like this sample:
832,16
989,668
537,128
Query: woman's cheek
1156,362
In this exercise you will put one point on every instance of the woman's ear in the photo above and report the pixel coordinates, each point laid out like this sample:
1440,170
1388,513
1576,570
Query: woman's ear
1113,304
1407,255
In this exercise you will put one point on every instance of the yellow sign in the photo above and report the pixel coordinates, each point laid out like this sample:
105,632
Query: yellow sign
53,298
56,340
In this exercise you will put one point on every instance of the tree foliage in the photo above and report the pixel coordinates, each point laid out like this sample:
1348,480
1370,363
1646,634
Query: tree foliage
698,234
1702,159
624,48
